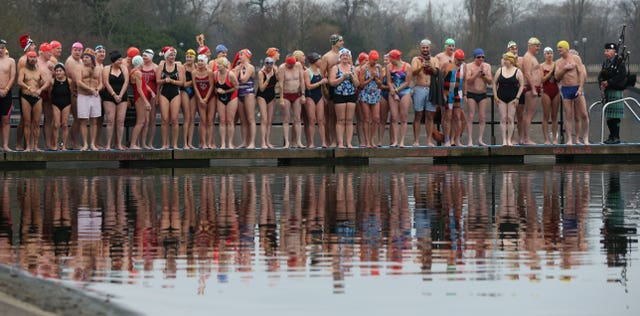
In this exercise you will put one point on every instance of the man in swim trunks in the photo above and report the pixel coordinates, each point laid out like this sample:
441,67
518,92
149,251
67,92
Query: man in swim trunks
478,75
291,81
424,68
73,65
32,82
7,78
532,89
330,59
569,75
27,45
89,105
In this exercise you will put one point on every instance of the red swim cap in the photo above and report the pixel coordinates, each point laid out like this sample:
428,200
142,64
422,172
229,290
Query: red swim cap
55,44
395,54
272,51
362,57
31,54
374,55
132,52
45,47
458,54
291,60
203,50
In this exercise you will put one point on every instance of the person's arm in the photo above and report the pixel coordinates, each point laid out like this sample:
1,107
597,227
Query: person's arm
520,78
181,75
301,82
262,81
123,91
280,76
207,97
333,81
45,82
356,81
107,85
416,64
12,77
494,84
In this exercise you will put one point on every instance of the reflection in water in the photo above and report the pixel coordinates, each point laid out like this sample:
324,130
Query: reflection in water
460,225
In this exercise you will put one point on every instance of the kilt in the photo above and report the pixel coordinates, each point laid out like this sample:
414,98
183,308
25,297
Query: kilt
614,110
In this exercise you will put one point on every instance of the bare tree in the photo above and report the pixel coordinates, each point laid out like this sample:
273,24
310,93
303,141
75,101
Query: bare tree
483,14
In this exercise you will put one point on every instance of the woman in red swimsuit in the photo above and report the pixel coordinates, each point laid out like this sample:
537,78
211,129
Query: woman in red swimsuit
550,98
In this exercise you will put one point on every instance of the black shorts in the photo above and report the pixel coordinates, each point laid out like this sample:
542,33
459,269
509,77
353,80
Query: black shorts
6,104
345,98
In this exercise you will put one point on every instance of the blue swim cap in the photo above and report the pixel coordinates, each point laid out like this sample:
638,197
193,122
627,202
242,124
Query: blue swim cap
478,52
221,48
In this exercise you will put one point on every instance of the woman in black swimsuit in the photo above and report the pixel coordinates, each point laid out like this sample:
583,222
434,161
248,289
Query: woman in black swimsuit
188,100
114,101
508,84
315,102
267,80
170,77
60,90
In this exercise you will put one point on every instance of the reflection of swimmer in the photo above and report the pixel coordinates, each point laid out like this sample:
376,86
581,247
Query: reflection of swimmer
614,232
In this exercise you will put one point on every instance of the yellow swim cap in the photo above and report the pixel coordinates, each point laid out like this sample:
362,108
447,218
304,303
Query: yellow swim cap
563,44
533,41
510,56
190,52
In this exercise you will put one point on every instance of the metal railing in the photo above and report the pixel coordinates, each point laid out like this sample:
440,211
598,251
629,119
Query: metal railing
606,105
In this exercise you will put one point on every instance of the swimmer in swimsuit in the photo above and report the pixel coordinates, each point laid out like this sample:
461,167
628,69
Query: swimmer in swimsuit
267,80
314,81
188,101
60,90
477,77
550,98
246,98
344,80
205,100
291,80
508,84
169,77
32,82
226,88
399,77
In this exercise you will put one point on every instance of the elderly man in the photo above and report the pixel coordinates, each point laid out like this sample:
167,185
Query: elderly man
613,81
89,107
532,89
569,74
291,81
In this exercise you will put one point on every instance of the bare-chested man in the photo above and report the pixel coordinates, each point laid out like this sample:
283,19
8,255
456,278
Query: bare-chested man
27,45
101,54
478,75
532,89
73,64
56,50
32,81
89,107
45,64
7,78
569,75
446,57
291,81
424,68
580,113
330,59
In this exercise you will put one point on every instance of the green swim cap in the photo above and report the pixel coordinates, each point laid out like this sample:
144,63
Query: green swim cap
449,41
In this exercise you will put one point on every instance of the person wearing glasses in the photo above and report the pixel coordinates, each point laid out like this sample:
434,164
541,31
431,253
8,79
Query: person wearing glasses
478,75
266,97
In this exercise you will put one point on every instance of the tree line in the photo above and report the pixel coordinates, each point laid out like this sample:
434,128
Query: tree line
307,24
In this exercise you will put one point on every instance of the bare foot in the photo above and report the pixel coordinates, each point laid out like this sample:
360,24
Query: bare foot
93,147
84,148
430,144
481,143
135,148
7,149
264,146
416,144
251,146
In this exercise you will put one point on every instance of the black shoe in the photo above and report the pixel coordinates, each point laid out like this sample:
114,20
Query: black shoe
609,141
615,140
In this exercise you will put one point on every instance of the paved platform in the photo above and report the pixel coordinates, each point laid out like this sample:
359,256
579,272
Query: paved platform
625,153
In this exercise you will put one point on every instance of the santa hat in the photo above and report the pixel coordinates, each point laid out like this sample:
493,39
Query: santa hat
25,42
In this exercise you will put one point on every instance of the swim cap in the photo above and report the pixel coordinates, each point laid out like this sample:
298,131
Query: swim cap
3,42
395,54
374,55
136,60
221,48
458,54
335,38
190,52
272,51
149,52
91,53
203,50
114,56
511,44
548,49
55,44
533,41
563,44
449,41
31,54
344,51
203,57
478,52
246,52
510,56
362,57
45,47
425,42
313,57
290,60
298,54
268,61
77,45
58,65
132,52
166,51
99,47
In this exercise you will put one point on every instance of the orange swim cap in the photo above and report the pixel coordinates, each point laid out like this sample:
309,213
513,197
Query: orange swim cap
362,57
132,52
458,54
395,54
374,55
272,51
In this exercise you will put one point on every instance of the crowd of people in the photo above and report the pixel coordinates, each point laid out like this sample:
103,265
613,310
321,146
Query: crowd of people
329,91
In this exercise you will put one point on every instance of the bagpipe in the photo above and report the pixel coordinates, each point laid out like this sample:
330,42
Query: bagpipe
622,59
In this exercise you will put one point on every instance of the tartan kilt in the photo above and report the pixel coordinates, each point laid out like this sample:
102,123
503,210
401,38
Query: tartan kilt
614,110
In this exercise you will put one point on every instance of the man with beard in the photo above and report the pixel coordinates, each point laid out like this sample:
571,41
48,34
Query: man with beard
32,82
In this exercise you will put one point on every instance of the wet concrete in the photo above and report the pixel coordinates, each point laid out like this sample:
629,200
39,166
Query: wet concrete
21,294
